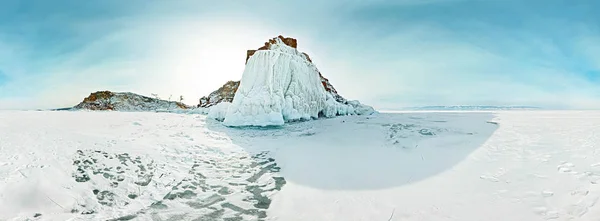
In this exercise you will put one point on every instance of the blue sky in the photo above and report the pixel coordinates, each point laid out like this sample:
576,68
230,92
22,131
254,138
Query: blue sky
390,54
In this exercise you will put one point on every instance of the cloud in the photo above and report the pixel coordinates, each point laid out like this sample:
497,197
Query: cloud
189,57
489,53
185,48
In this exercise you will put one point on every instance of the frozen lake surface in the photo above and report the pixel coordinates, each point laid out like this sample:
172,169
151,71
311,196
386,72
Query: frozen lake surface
464,166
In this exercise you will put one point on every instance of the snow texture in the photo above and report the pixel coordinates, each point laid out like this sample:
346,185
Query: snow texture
83,165
281,85
407,166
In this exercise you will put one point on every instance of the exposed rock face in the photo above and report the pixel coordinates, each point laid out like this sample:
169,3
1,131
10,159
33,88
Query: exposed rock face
125,101
287,41
223,94
97,101
329,88
227,91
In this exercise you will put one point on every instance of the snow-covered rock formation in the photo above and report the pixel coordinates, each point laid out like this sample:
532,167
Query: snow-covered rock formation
218,111
223,94
126,101
280,84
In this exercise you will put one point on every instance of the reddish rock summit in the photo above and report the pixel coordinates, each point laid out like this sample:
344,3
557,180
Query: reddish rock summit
288,41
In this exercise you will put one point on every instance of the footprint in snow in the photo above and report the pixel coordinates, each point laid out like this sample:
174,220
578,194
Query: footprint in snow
590,176
109,173
565,167
580,192
547,214
540,210
547,193
489,178
583,206
551,215
539,176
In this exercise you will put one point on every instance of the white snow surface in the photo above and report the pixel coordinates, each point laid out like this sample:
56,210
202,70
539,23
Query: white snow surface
218,111
459,166
280,85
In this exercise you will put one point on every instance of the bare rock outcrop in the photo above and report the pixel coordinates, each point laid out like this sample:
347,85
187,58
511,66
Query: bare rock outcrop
223,94
126,101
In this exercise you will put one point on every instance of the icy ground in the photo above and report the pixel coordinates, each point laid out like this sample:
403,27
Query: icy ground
464,166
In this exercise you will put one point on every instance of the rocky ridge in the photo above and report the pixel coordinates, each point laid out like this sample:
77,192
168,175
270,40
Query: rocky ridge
126,101
223,94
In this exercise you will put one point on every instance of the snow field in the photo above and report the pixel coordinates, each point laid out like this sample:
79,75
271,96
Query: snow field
115,165
467,166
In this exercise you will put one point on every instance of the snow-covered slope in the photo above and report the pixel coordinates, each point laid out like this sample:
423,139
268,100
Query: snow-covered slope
126,101
281,84
451,166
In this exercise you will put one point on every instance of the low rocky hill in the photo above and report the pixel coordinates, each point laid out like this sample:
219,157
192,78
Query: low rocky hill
126,101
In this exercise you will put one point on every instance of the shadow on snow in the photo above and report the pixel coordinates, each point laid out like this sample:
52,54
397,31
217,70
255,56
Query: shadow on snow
367,152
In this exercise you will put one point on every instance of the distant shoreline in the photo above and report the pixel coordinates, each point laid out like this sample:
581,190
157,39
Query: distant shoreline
467,108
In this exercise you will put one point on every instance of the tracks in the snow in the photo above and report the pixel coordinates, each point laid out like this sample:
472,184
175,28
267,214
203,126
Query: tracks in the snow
191,182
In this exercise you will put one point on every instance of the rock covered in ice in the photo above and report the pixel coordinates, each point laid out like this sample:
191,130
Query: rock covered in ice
227,91
281,84
278,85
353,107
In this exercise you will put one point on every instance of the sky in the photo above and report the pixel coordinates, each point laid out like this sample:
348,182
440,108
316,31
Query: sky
388,54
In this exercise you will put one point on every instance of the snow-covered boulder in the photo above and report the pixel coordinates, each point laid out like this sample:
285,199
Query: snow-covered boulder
281,84
218,111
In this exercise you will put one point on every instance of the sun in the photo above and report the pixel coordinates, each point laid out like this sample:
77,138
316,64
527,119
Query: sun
200,57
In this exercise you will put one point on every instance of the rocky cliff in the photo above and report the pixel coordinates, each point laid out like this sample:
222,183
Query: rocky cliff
280,84
227,91
223,94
